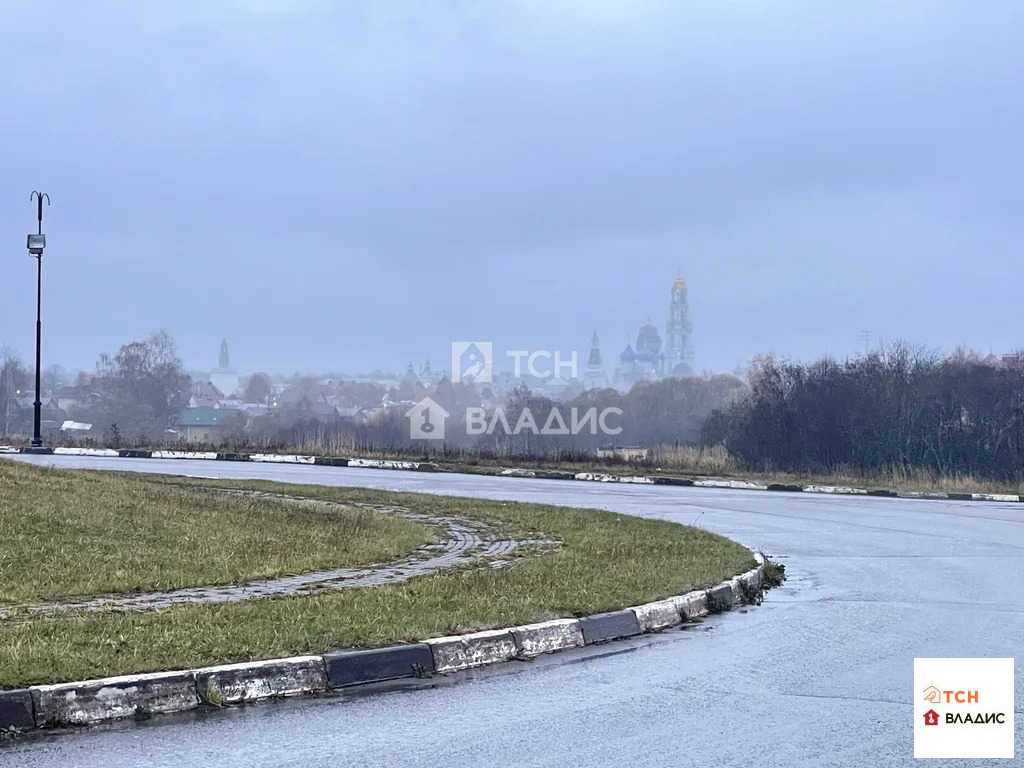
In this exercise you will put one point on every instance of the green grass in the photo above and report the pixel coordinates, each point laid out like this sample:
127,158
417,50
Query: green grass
606,561
65,534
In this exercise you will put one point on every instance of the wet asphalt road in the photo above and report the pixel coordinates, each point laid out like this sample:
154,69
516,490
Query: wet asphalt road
820,675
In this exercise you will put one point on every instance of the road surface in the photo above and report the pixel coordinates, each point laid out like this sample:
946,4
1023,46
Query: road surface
820,675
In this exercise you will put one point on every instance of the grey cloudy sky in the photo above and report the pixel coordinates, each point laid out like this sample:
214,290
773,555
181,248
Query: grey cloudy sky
351,185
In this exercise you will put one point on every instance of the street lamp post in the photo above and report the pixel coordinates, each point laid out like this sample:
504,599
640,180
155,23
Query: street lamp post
36,244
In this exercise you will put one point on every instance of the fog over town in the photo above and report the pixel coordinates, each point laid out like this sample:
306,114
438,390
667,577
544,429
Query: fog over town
353,186
459,383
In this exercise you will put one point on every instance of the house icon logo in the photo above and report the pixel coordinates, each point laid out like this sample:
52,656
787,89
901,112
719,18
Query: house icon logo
426,420
472,361
931,717
932,695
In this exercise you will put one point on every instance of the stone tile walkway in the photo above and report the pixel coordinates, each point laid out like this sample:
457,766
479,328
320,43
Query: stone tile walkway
467,542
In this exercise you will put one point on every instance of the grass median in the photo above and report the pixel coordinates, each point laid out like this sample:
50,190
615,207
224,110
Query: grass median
66,533
605,561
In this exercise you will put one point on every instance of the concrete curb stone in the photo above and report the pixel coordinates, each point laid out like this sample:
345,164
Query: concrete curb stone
189,455
111,698
277,458
474,650
653,617
353,667
16,710
93,701
845,490
547,637
741,485
662,480
250,681
554,474
518,472
995,497
721,598
132,453
692,605
383,464
330,461
921,495
613,625
232,457
598,477
103,452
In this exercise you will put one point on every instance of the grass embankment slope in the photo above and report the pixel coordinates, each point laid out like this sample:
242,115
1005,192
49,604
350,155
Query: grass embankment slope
606,561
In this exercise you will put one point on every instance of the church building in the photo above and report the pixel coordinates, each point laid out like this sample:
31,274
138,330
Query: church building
650,360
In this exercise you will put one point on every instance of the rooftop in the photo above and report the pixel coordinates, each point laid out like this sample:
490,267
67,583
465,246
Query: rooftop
204,416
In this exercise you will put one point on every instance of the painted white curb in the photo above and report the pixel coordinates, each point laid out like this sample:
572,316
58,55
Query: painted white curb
552,474
110,698
742,485
995,497
597,477
692,605
106,452
474,650
548,637
518,473
835,489
383,464
277,458
251,681
195,455
657,616
93,701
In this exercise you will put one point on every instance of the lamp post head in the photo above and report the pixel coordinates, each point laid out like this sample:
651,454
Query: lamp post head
36,244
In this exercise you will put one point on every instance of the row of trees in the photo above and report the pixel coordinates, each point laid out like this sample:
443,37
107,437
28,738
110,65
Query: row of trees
17,390
668,412
902,409
134,395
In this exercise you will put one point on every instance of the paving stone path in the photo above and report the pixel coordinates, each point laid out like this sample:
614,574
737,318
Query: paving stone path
467,542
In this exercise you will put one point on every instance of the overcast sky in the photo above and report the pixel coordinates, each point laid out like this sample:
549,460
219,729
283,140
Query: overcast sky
353,185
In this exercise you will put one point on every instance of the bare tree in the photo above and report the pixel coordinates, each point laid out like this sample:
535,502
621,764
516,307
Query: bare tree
14,377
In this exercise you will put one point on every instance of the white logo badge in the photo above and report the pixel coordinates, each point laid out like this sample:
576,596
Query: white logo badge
963,708
426,420
472,361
